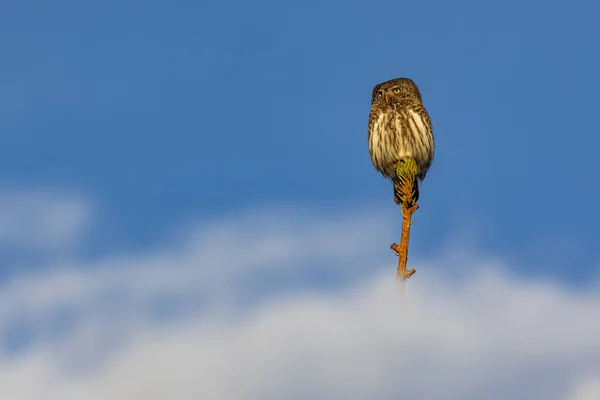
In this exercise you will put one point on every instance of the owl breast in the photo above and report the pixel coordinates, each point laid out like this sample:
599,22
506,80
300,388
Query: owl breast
398,134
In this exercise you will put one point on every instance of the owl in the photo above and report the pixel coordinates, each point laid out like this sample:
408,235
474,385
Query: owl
399,128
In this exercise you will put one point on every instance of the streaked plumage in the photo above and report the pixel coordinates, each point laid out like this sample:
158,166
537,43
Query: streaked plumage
399,128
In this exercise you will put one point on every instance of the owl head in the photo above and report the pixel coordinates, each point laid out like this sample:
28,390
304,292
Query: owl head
396,88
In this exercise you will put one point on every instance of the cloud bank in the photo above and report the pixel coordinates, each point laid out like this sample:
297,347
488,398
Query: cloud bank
296,305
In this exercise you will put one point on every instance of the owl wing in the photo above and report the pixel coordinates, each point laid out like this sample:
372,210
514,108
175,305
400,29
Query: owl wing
373,115
415,115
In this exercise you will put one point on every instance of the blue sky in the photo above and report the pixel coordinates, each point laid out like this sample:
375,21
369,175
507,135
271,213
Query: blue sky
161,113
154,134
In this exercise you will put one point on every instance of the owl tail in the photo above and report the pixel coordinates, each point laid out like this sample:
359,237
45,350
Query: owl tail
398,194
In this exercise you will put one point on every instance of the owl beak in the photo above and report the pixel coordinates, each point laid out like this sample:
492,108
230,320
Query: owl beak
387,97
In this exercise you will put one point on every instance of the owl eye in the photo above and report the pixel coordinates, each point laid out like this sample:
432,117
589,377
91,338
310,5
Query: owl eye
396,91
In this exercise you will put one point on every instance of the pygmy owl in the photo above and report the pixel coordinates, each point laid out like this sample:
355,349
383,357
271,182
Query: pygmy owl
399,128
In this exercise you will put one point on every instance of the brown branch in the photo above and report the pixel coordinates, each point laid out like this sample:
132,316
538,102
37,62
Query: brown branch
406,171
402,273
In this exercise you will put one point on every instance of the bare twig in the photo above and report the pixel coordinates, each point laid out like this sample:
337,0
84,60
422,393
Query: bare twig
402,273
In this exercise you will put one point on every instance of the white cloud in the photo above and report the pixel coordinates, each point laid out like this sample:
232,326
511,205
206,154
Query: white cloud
482,335
40,219
587,389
